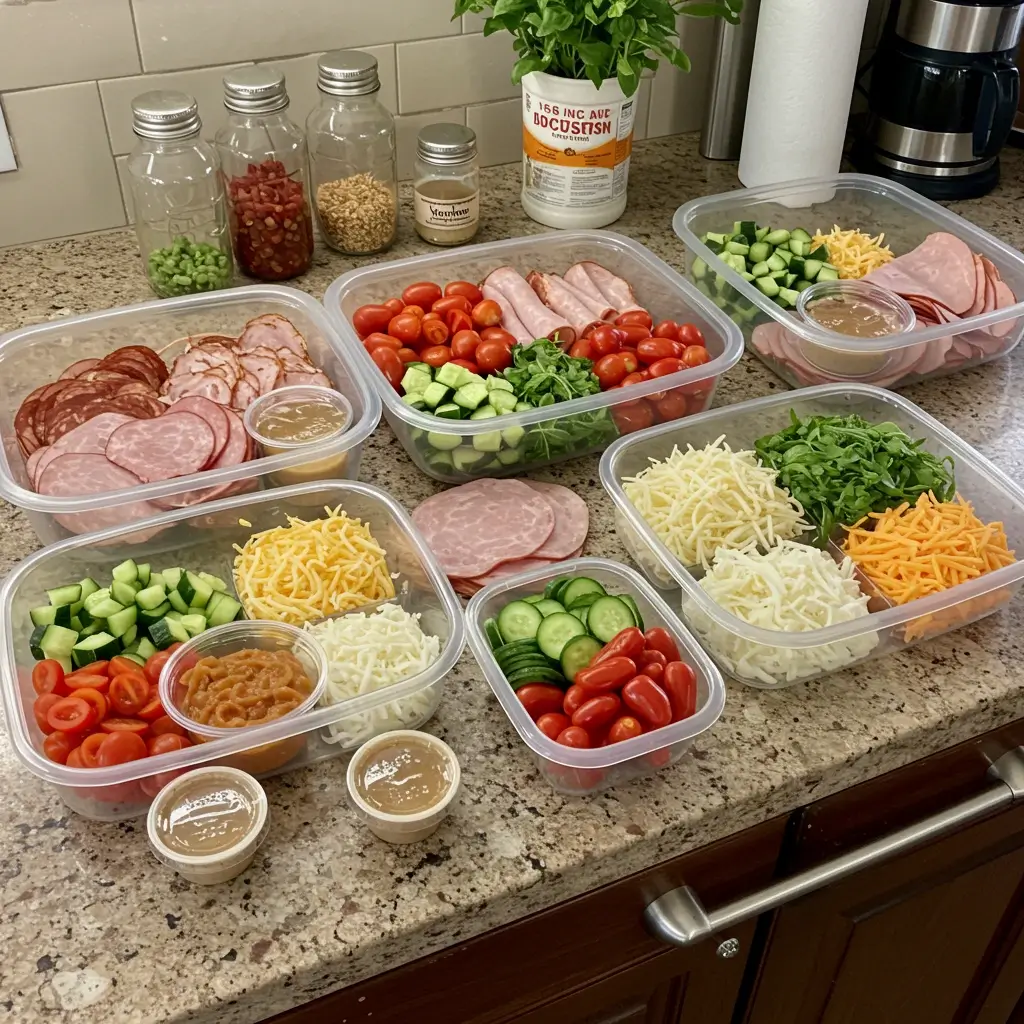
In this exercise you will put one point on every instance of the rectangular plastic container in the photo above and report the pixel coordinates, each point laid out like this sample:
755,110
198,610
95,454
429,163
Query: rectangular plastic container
802,353
35,355
579,772
886,629
203,537
565,430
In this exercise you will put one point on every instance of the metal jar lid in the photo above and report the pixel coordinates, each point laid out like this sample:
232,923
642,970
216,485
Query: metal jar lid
255,90
347,73
164,115
446,144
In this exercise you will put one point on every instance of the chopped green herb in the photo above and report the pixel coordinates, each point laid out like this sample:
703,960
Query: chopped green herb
542,374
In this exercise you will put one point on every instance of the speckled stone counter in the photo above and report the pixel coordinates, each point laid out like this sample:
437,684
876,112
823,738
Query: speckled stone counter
95,931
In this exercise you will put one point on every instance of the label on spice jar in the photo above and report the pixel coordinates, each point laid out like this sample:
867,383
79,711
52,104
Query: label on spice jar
447,213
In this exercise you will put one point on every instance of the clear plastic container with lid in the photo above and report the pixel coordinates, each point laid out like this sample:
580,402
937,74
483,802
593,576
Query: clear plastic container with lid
177,190
446,186
351,137
263,154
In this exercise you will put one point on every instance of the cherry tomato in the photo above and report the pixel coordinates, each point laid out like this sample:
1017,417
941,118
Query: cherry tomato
152,784
389,364
624,728
372,341
634,416
416,311
604,340
606,675
695,355
648,657
155,665
458,320
48,677
660,639
406,327
597,712
650,350
450,302
636,378
467,364
663,367
648,701
57,746
498,334
98,683
165,724
96,700
435,332
660,758
611,370
436,355
632,334
680,683
71,714
124,725
574,697
129,694
493,356
120,747
464,344
582,349
667,329
672,407
574,736
486,314
422,293
393,306
90,749
627,643
367,319
409,355
690,334
152,711
166,743
635,316
540,699
630,358
655,671
120,665
95,668
41,706
553,724
466,288
427,317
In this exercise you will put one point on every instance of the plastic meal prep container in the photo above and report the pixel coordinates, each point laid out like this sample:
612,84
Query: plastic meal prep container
552,433
203,538
995,497
569,770
801,352
34,355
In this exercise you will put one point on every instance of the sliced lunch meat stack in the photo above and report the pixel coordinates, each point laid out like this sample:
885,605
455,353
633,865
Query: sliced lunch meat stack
540,321
572,521
178,444
272,331
215,416
614,290
595,303
553,292
509,320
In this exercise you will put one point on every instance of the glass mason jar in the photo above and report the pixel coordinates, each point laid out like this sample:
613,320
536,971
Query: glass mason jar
263,158
351,137
446,184
180,211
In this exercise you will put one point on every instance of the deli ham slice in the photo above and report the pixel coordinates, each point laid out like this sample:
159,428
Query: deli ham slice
572,520
509,320
215,417
540,321
272,331
596,305
614,290
552,291
176,444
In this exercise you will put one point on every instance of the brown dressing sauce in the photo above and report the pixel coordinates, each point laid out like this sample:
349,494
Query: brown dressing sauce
210,815
404,777
301,421
854,317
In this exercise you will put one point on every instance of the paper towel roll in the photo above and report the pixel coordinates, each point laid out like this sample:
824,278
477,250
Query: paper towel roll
801,86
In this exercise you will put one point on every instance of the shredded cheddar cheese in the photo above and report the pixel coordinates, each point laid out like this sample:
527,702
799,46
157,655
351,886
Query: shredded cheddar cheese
308,570
852,252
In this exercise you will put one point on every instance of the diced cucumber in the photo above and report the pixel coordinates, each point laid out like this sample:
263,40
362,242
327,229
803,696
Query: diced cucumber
493,634
75,624
178,603
811,269
488,442
499,384
89,586
94,627
768,285
101,605
828,274
471,396
448,411
512,436
785,255
787,297
99,647
800,234
519,621
148,616
45,615
194,624
452,376
776,262
120,622
226,610
134,656
129,636
151,597
174,615
171,577
65,595
737,248
465,459
122,593
501,401
555,632
414,400
509,456
820,253
699,269
126,572
798,247
35,640
759,251
145,649
167,632
778,236
144,573
443,442
57,642
760,269
415,381
214,581
435,394
195,591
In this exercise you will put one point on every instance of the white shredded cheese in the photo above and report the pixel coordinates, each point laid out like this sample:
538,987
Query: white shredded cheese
703,500
793,588
368,652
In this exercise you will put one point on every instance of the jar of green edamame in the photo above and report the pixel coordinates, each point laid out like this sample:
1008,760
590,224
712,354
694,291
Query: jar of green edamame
178,193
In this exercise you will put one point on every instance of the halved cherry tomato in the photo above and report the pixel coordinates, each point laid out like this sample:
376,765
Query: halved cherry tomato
663,367
71,714
371,341
166,743
493,356
129,693
611,370
124,725
96,699
120,747
152,711
458,320
436,355
540,699
553,724
673,406
574,697
606,675
660,639
582,349
120,665
648,701
630,358
597,712
406,327
574,736
464,344
40,706
627,643
635,316
696,355
498,334
690,334
164,725
466,288
632,334
57,746
450,302
633,416
75,759
680,684
393,306
435,332
650,350
155,665
466,364
624,728
90,748
389,364
370,318
667,329
408,355
604,340
95,668
486,314
48,677
417,311
422,293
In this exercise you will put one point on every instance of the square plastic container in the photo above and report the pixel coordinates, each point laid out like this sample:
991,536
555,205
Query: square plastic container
558,432
34,355
887,628
203,538
802,353
578,772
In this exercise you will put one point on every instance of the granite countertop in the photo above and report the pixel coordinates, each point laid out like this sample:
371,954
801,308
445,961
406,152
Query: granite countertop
95,930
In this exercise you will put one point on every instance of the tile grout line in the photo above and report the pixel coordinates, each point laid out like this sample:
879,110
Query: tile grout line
113,157
135,32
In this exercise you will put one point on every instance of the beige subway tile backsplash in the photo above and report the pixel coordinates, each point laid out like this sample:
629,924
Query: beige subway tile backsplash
66,182
65,41
191,33
678,97
499,131
408,127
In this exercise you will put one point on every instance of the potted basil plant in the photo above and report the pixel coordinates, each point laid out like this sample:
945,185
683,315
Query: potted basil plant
580,64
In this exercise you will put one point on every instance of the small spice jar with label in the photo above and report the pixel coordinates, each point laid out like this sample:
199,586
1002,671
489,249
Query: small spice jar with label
446,184
263,155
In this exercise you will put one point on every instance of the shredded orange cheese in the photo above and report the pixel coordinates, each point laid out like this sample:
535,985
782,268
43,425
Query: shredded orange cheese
852,252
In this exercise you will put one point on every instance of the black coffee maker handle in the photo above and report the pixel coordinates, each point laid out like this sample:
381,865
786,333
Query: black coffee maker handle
997,107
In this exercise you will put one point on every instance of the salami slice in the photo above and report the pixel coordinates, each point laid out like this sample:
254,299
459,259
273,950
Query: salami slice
89,438
176,444
264,365
236,448
216,420
77,368
272,331
572,521
475,527
204,385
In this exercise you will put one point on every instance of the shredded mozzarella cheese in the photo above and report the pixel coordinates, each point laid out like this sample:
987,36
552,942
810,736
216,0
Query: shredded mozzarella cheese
703,500
853,253
369,652
793,588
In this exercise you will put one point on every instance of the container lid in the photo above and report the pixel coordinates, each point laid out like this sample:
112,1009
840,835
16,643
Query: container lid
164,115
347,73
446,143
255,90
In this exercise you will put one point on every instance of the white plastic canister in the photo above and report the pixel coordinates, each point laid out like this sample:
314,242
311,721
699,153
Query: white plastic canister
576,145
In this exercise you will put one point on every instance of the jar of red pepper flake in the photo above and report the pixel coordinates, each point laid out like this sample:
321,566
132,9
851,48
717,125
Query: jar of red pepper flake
263,155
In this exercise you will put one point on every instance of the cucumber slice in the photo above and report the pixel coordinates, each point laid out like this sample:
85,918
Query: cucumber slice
195,624
226,610
171,577
556,631
134,656
583,601
120,622
637,617
145,649
577,654
166,632
519,621
44,615
539,675
531,661
65,595
144,573
35,642
609,616
547,607
147,617
214,581
514,649
151,597
554,585
99,647
178,603
94,627
101,605
123,593
126,572
89,586
534,599
195,591
58,642
128,638
493,634
578,587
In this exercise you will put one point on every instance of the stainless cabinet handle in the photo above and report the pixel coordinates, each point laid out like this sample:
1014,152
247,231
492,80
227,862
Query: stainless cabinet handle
678,917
